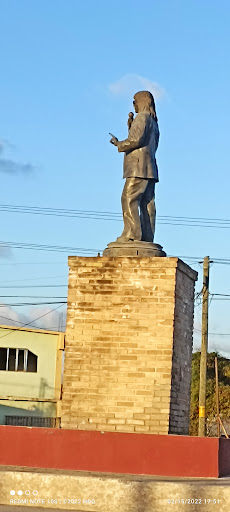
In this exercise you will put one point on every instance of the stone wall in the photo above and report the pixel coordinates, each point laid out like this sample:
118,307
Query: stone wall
128,345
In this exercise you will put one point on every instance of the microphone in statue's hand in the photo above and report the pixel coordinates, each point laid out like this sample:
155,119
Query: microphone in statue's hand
130,119
114,139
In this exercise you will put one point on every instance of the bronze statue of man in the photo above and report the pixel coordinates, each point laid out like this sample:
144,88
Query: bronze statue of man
140,171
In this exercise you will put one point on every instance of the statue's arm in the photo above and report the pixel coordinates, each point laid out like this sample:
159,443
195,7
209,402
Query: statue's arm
136,135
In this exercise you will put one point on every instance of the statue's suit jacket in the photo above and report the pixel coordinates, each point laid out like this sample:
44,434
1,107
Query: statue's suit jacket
140,148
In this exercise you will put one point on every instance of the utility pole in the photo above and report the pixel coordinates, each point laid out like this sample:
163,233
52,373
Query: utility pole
204,349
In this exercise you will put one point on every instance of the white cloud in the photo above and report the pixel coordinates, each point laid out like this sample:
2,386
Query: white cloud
50,321
5,252
4,144
216,343
131,83
10,166
9,317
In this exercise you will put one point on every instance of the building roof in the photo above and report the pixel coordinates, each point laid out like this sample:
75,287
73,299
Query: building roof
28,329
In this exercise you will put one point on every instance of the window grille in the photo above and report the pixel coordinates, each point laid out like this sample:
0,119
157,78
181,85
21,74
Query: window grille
18,360
30,421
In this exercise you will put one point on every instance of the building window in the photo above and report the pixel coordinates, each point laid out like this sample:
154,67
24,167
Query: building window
18,360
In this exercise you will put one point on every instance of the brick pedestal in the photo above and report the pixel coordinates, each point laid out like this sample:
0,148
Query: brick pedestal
128,345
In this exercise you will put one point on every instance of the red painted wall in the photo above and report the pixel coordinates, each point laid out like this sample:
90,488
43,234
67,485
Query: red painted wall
112,452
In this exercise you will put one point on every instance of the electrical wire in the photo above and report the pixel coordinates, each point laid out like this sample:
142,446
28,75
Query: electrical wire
36,286
221,294
115,216
22,323
31,263
31,304
214,333
46,247
33,279
29,323
32,297
57,248
11,319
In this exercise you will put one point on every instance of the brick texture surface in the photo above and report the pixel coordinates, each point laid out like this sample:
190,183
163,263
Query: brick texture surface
128,345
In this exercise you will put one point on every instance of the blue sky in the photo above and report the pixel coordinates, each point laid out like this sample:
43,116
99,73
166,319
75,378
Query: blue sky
68,74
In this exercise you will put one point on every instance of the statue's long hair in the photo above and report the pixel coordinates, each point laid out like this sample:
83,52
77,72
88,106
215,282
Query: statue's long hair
146,103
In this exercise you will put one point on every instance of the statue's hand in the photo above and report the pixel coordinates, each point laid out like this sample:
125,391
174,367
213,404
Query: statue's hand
114,141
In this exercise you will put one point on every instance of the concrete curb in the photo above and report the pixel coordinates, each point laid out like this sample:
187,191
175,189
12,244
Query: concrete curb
93,492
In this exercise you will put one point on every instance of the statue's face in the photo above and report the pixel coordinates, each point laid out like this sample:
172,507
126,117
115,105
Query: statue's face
135,104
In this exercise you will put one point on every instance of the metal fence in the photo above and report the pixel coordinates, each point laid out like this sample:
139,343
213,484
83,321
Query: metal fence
30,421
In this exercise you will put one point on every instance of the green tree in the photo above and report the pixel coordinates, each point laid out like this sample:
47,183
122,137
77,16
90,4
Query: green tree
224,390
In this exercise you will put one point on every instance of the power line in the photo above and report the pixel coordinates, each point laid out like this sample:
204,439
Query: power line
46,247
33,279
197,295
31,263
69,249
29,323
220,298
215,333
213,296
32,297
115,216
221,294
22,323
32,303
11,319
36,286
222,261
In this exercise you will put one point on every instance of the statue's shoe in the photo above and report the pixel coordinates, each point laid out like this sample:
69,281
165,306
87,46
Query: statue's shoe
124,239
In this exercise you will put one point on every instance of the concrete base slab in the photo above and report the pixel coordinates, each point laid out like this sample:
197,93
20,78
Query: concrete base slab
20,508
98,492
